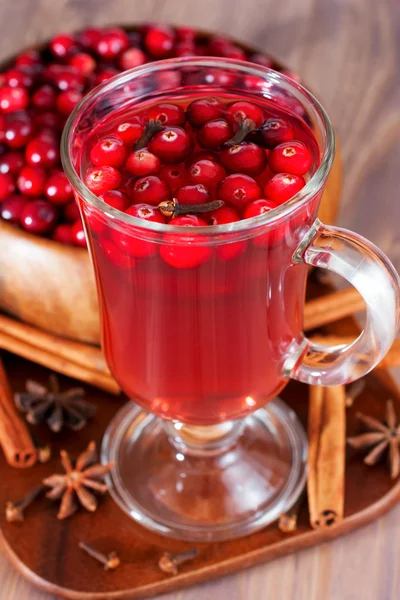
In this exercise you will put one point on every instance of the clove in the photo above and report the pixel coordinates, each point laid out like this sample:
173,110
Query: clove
110,561
15,510
169,563
172,208
153,126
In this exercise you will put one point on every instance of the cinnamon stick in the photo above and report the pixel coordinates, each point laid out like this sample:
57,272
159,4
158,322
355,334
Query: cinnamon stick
326,458
332,307
59,363
15,439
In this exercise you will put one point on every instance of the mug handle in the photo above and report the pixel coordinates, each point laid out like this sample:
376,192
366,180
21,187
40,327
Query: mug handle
373,275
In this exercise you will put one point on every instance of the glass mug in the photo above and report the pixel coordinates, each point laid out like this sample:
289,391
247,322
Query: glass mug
204,350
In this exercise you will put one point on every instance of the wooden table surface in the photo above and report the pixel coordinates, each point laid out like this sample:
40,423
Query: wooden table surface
348,51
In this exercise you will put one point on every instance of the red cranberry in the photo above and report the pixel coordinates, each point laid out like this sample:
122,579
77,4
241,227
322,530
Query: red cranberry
111,43
18,129
254,83
214,134
168,114
67,101
202,155
220,78
104,75
11,209
71,212
13,98
239,111
150,190
44,98
78,234
38,216
206,172
129,132
46,133
247,158
174,176
142,162
185,256
159,41
62,45
171,145
83,62
115,256
7,185
28,58
255,209
42,152
223,215
19,77
131,58
217,45
261,59
11,162
116,199
63,234
132,245
283,186
47,119
238,190
228,250
31,180
102,179
89,37
199,112
65,77
58,189
185,34
273,132
193,194
232,51
109,151
291,157
185,49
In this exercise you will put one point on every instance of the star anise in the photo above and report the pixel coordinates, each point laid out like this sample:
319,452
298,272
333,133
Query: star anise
75,486
54,407
380,436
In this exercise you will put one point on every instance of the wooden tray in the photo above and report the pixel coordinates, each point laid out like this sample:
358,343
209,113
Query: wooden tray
46,551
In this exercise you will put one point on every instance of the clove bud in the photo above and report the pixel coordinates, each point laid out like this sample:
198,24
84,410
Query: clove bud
172,208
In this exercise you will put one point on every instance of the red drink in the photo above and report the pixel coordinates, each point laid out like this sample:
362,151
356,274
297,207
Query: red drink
201,343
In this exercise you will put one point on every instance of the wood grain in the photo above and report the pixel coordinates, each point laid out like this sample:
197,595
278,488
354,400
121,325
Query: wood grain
348,51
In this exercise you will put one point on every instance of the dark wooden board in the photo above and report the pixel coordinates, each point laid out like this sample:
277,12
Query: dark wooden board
46,551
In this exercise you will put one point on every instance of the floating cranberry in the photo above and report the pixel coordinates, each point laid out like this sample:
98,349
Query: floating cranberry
71,212
38,216
131,58
18,129
171,145
130,132
44,98
31,180
199,112
115,256
111,42
58,188
185,49
11,162
102,179
150,190
11,208
104,75
188,255
13,98
259,207
174,176
168,114
215,134
142,162
132,245
283,186
247,158
78,234
83,63
239,111
273,132
193,194
109,151
206,172
116,199
256,209
238,190
67,101
159,41
63,233
291,157
7,185
223,79
42,152
229,249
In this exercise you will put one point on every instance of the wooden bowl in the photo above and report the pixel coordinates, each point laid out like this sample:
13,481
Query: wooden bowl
51,285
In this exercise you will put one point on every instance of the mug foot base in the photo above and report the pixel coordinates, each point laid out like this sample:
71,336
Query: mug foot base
200,498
